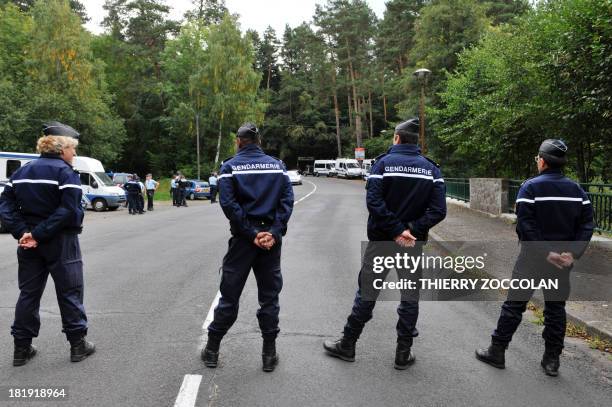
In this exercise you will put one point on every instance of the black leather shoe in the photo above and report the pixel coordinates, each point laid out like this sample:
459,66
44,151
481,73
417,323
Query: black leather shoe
550,364
403,357
494,355
342,348
269,356
81,350
22,355
210,357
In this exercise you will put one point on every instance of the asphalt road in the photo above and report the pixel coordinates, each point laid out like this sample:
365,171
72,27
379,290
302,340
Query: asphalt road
151,280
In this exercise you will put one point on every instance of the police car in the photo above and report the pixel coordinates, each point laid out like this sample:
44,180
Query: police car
295,177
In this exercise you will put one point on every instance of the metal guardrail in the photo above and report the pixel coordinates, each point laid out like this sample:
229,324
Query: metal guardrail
458,188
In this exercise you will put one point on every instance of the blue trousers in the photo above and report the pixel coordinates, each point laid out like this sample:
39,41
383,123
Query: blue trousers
365,297
512,310
241,257
60,258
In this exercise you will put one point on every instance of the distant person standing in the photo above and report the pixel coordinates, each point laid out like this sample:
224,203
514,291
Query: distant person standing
151,186
212,181
41,207
182,184
133,190
174,189
141,195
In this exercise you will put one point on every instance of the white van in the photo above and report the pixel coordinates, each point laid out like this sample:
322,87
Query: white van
348,168
97,186
366,168
324,167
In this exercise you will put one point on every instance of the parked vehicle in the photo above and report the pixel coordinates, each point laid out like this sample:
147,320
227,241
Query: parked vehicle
324,167
197,190
366,167
294,177
120,178
96,185
348,168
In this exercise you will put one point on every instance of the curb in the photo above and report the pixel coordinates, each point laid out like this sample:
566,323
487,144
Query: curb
594,331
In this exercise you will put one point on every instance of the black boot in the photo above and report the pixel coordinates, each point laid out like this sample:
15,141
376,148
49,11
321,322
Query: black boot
81,350
23,354
550,362
269,356
493,355
343,348
403,356
210,354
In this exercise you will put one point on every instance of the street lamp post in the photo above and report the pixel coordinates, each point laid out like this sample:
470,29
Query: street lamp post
422,75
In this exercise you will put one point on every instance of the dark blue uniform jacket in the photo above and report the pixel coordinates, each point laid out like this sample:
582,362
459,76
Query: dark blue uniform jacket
43,197
254,189
405,191
552,207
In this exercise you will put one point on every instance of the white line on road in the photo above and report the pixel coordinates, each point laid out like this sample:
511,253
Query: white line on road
307,195
189,391
211,311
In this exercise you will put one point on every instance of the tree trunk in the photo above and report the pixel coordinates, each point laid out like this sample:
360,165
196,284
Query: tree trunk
355,98
336,112
219,141
384,95
269,76
350,109
197,117
371,120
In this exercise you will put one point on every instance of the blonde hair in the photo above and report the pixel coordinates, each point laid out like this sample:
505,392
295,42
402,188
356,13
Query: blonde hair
55,144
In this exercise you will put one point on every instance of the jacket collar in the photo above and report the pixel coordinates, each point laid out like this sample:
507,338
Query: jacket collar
551,171
54,157
411,149
250,149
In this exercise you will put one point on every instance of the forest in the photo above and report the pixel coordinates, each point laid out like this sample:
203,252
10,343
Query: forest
151,94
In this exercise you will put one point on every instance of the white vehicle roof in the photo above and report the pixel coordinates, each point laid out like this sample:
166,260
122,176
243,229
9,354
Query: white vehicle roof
87,164
324,161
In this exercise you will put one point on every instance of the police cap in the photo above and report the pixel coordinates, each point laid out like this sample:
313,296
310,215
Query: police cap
248,130
409,126
59,129
553,151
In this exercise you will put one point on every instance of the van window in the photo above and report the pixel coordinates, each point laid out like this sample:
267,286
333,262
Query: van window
11,167
319,165
84,179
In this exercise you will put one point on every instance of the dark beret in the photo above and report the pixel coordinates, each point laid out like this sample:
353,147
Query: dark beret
59,129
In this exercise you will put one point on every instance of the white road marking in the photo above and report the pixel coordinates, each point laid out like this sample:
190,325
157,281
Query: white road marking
211,311
188,392
307,195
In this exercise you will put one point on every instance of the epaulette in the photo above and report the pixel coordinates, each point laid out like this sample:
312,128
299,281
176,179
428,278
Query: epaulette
432,161
378,158
227,159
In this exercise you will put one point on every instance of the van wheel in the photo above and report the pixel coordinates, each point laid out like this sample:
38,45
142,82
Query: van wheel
99,205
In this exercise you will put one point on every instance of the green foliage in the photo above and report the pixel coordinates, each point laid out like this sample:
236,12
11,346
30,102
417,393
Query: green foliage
546,77
50,74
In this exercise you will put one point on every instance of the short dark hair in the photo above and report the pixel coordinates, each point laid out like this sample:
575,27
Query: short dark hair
407,137
553,165
249,140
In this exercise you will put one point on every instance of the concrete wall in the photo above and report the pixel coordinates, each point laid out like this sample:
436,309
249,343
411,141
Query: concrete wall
489,195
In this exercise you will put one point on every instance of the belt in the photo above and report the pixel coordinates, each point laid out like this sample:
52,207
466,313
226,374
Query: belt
260,222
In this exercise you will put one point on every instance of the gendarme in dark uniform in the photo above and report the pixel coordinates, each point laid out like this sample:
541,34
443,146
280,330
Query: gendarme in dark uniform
554,226
41,206
405,198
257,197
